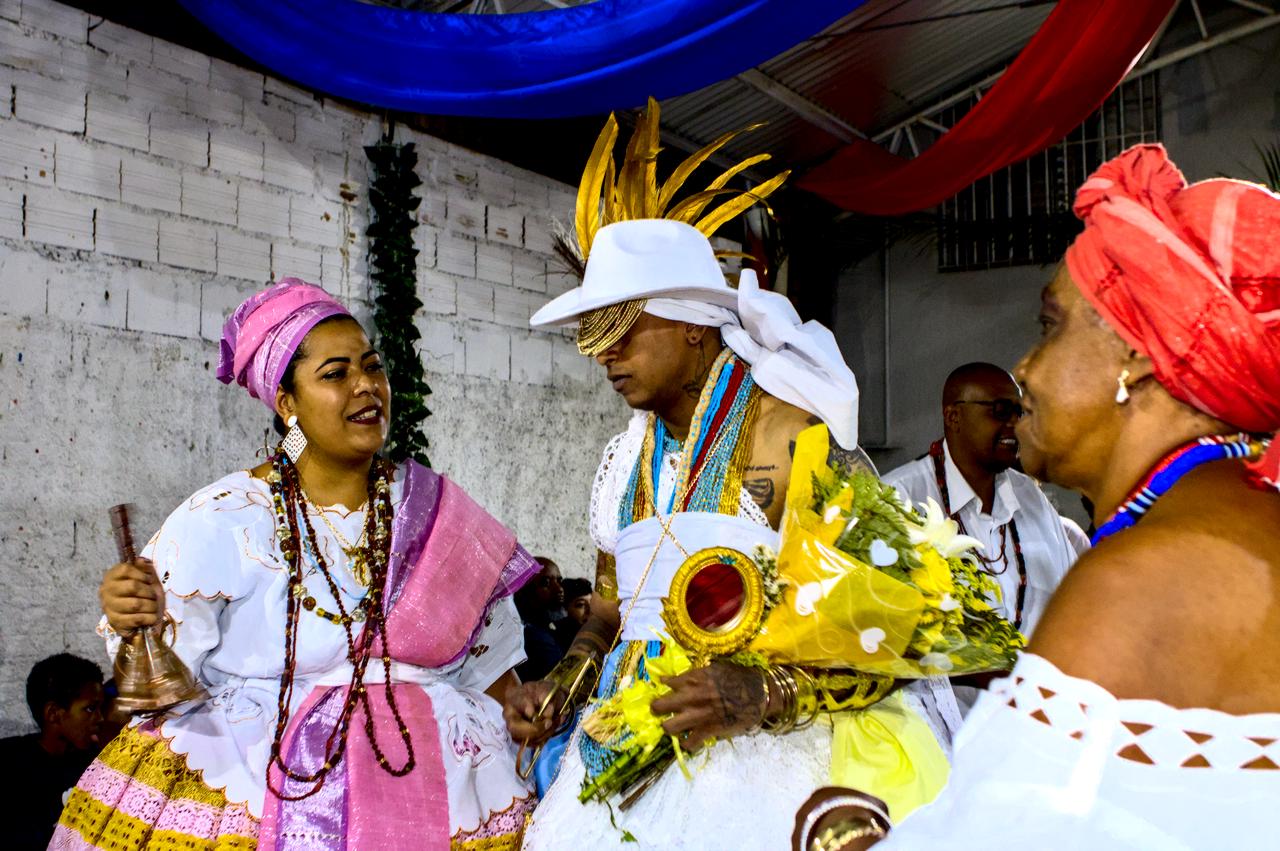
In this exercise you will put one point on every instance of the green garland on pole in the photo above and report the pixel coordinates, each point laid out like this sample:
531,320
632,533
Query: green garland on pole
393,266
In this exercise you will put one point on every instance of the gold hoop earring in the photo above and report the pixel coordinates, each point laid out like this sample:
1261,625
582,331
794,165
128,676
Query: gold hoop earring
1122,392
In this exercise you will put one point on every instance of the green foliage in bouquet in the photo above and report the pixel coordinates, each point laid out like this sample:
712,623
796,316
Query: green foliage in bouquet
958,629
880,516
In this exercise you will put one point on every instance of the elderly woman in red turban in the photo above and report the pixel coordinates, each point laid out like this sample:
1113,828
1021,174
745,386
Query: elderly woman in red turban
1146,714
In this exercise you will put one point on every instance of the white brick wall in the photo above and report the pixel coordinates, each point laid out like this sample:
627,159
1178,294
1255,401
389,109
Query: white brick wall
145,190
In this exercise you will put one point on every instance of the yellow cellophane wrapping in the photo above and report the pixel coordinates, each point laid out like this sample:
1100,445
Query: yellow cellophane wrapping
832,604
889,751
836,611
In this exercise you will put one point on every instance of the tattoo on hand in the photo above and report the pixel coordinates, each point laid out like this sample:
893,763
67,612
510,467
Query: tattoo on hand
739,693
761,491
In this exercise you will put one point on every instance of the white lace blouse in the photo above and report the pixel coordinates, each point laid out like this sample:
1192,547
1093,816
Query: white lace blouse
1046,760
226,582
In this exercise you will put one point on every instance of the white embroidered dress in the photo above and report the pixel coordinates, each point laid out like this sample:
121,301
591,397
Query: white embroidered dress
1049,761
743,793
226,581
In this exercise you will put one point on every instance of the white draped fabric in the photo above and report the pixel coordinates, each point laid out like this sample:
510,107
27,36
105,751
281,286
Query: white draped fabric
1046,760
798,362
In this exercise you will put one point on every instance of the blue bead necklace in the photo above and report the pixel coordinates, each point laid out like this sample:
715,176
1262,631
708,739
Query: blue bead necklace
1171,469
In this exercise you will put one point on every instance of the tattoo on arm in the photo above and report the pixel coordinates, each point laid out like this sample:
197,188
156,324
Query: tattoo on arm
848,460
761,491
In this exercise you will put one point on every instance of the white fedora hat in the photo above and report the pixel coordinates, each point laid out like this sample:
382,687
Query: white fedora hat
642,258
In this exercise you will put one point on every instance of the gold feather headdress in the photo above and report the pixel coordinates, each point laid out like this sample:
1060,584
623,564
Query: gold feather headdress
636,194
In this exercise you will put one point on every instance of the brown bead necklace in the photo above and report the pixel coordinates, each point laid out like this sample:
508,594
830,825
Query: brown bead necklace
289,503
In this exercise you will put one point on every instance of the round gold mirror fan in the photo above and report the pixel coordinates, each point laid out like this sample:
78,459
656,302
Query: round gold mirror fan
716,602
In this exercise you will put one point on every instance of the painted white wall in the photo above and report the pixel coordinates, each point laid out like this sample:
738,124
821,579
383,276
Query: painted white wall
146,189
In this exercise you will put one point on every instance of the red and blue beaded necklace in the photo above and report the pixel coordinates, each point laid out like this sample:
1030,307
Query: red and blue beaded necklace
1171,469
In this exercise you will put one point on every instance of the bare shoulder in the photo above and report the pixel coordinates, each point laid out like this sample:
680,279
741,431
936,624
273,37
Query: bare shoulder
261,471
1182,608
781,422
768,469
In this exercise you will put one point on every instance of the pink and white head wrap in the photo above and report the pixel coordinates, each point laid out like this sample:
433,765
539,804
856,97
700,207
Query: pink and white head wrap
260,337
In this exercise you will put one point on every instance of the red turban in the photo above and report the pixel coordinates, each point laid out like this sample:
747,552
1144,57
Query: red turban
1190,277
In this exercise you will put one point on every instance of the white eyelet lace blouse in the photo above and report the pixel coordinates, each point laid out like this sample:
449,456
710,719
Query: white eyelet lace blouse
1047,760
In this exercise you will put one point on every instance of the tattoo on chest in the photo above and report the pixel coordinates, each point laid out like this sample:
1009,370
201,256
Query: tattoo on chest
762,491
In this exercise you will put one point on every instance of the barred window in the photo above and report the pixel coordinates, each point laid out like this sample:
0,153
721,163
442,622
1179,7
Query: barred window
1021,214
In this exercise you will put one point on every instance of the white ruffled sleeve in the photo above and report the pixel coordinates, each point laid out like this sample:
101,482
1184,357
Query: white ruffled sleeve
612,476
199,555
497,649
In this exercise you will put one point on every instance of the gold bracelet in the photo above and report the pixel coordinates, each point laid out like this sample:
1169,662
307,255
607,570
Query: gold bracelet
785,682
806,697
839,836
575,675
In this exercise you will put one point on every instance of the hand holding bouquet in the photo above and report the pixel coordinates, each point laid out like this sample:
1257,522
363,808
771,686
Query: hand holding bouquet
862,591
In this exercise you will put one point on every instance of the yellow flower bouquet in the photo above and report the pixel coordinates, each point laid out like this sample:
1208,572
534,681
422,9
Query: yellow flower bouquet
862,587
871,585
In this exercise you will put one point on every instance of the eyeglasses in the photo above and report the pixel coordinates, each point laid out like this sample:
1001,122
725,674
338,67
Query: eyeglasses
1001,409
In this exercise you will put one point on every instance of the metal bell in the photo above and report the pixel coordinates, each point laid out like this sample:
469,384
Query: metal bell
149,675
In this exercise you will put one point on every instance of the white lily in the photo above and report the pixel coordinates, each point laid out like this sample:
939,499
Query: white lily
941,532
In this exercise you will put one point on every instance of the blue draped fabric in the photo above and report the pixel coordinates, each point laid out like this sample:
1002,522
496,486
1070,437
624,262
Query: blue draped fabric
592,58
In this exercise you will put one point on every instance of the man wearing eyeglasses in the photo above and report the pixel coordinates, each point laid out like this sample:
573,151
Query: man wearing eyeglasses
970,474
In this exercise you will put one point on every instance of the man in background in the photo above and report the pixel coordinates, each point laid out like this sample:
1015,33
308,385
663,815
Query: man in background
64,693
970,474
541,604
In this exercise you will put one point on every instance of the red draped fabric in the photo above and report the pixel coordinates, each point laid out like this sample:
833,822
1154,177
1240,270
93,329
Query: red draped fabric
1079,55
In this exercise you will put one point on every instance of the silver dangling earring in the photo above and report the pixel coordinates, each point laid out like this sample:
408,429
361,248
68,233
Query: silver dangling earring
1122,394
295,442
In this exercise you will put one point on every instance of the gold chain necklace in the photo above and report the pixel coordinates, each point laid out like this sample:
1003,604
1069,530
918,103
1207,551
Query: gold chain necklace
357,554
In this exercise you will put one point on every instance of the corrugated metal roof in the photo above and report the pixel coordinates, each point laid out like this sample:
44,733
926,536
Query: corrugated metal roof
875,67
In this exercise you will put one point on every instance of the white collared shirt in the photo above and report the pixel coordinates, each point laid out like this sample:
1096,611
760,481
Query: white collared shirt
1045,549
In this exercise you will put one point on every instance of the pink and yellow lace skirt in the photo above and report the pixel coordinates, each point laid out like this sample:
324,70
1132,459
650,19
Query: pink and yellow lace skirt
140,794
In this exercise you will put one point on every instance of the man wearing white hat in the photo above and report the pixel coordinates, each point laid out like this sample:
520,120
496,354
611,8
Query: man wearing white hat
721,382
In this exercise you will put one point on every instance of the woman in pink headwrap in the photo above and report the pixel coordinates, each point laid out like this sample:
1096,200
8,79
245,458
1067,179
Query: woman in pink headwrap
1146,713
351,620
